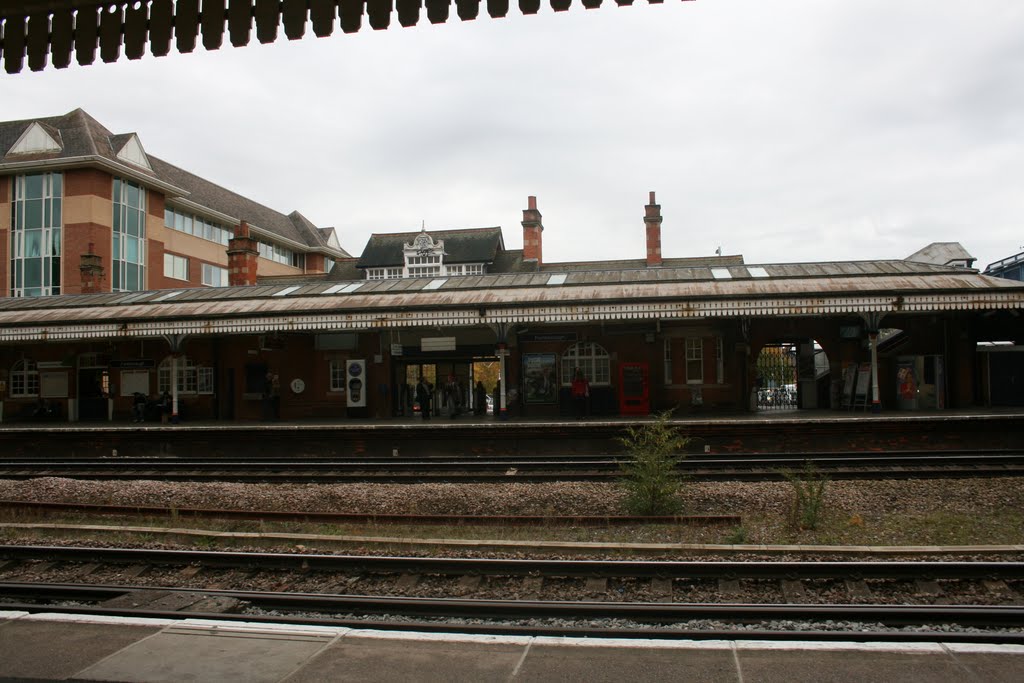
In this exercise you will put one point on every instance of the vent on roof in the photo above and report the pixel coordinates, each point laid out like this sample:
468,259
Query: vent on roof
168,295
757,271
557,279
287,290
721,273
435,284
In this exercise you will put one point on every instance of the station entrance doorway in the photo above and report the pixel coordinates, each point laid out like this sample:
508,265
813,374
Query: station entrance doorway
453,382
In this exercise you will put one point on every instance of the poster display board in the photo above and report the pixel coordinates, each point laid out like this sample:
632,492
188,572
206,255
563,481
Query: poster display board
540,383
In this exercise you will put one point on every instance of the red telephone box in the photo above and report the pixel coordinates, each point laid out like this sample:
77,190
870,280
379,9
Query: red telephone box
634,389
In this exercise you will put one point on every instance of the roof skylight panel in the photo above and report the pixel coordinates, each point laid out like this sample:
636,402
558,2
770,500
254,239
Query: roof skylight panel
334,289
557,279
287,290
721,273
168,295
757,271
435,284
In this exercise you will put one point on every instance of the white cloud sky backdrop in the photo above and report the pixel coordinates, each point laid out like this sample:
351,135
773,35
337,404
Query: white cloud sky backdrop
784,130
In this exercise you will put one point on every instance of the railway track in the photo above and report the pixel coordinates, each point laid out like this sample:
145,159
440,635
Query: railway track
20,507
699,467
509,596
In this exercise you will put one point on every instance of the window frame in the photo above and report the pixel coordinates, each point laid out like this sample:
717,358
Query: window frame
590,357
122,239
694,360
213,269
174,260
47,237
336,375
24,374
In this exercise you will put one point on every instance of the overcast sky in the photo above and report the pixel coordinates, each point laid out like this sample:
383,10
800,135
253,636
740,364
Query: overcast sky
783,130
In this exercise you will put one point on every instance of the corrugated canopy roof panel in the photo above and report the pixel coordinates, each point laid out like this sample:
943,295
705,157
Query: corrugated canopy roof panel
84,29
693,293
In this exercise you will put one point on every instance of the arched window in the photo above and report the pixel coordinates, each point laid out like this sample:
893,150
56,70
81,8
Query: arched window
192,378
24,379
589,357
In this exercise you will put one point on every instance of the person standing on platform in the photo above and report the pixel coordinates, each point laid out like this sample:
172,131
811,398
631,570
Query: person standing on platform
453,397
479,399
424,397
580,394
275,397
139,407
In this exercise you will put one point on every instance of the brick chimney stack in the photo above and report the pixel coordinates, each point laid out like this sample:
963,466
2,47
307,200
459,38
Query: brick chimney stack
532,229
91,267
652,220
242,257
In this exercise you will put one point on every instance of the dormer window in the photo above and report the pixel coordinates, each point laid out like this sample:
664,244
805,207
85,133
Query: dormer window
424,257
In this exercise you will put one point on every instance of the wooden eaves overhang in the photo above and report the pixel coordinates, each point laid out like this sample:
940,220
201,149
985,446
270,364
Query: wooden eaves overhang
56,29
525,298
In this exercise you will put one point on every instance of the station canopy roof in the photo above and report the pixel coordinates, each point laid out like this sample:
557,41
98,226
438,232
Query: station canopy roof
665,294
57,31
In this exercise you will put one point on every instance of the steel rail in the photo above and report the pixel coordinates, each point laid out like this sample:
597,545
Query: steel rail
314,606
525,567
380,518
476,469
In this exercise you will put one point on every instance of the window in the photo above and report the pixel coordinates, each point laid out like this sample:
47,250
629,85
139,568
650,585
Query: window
694,360
36,234
279,254
589,357
192,379
424,271
215,276
668,361
337,370
176,267
129,236
24,379
196,225
719,361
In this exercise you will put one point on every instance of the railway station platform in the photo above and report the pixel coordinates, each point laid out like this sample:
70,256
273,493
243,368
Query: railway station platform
66,647
797,431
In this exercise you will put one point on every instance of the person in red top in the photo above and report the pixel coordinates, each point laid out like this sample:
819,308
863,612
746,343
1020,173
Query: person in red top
580,394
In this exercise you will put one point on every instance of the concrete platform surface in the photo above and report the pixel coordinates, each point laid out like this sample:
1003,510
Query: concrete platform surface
69,647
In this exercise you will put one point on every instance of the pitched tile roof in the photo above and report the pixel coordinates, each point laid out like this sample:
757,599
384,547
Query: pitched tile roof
83,136
471,245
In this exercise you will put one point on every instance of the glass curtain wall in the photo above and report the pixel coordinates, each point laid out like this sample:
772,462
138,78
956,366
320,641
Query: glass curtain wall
129,248
36,234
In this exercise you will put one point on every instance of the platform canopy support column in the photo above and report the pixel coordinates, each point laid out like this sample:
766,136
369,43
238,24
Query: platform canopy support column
176,342
874,321
502,332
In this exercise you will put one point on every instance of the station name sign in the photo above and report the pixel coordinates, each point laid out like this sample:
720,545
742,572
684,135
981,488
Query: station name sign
133,363
548,337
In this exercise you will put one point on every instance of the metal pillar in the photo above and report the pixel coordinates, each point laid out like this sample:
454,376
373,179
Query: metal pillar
176,342
876,401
